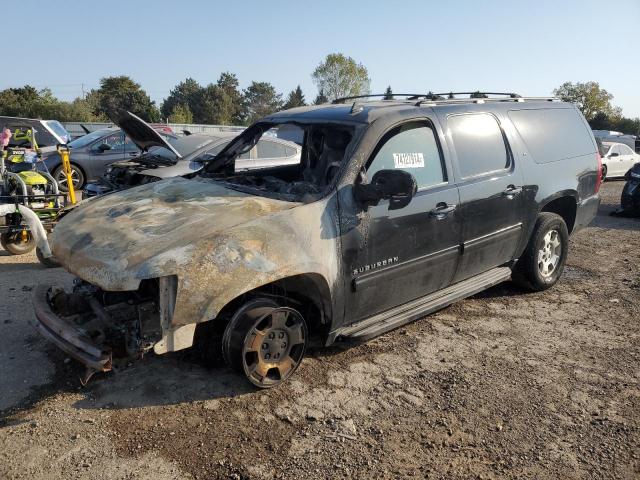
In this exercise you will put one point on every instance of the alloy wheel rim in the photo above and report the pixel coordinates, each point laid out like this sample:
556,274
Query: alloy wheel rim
549,254
62,178
274,347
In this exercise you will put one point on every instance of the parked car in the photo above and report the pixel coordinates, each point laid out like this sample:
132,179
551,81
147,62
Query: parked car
195,150
396,209
617,159
611,136
49,133
91,153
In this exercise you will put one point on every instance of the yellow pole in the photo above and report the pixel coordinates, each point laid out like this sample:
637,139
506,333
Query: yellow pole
63,150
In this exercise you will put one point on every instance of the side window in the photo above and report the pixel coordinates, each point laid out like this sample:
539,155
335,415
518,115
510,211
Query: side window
624,150
615,149
269,149
411,147
115,141
129,146
479,144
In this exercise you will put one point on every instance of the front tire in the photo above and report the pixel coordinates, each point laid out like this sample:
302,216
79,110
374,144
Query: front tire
265,342
542,262
77,176
16,244
604,173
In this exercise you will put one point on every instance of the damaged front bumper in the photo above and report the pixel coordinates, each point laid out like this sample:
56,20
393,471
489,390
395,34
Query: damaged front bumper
69,338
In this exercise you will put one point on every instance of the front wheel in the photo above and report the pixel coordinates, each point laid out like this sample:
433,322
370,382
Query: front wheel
265,342
542,263
604,173
76,176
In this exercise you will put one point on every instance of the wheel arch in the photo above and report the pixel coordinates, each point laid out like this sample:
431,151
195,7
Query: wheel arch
307,292
564,204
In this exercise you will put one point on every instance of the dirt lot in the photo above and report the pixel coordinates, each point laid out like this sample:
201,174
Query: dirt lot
505,384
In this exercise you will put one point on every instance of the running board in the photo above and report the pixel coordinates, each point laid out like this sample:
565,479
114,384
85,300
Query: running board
408,312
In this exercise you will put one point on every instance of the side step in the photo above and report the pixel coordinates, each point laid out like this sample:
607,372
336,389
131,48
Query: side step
408,312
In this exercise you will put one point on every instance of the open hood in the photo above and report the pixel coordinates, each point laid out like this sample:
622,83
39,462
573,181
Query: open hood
141,133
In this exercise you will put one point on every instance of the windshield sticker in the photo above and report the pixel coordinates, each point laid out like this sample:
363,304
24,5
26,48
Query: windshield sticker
408,160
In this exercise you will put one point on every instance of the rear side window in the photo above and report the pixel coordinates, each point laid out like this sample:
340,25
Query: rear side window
553,134
411,147
479,144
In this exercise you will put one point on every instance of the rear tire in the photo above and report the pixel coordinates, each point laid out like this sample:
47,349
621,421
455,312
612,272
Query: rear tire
265,342
542,262
13,242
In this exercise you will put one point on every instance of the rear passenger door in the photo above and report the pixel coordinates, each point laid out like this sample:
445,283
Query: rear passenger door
490,185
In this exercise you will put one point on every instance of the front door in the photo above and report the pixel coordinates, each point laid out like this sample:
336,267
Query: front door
398,253
491,192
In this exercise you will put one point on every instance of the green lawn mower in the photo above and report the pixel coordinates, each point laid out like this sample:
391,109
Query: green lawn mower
30,202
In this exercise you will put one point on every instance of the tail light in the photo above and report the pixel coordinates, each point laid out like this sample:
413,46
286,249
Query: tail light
599,178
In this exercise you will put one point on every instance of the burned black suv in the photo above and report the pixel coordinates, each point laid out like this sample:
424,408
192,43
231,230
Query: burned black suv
397,208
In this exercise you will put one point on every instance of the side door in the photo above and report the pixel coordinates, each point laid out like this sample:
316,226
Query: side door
491,192
100,158
628,158
402,252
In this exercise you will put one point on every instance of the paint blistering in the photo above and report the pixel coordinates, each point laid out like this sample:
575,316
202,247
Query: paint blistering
219,243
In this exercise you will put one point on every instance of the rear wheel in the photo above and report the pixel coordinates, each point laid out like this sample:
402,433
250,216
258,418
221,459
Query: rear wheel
542,263
76,176
265,342
18,243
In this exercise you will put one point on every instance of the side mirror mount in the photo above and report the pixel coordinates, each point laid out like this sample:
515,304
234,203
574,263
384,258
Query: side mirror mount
397,186
103,147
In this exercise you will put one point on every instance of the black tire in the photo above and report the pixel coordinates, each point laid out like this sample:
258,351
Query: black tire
49,262
265,342
603,177
76,174
14,243
538,268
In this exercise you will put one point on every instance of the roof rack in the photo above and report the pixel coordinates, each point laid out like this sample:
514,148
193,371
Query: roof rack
446,97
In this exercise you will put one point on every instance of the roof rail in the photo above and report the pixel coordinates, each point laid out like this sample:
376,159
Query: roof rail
444,98
378,95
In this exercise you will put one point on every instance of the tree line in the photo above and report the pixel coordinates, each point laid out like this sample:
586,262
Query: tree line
222,102
225,103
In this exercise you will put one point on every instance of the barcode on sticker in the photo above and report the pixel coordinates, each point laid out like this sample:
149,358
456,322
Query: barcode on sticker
408,160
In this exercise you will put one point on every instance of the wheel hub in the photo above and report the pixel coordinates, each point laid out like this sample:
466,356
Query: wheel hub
549,253
275,346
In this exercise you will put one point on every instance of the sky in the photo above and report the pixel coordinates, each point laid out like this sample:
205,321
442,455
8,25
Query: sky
528,47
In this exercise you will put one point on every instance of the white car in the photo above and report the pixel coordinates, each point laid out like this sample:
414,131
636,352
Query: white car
617,159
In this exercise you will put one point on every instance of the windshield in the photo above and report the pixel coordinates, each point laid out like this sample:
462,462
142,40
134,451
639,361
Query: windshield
90,137
300,174
59,130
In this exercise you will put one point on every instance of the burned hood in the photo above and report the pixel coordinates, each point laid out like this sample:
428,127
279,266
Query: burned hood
141,133
151,230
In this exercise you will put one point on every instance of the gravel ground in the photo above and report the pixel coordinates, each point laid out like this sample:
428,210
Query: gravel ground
506,384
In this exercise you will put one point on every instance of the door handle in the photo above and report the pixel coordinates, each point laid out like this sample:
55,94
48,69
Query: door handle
442,210
512,191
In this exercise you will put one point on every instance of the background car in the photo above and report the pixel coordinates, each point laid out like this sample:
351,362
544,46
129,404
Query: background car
195,150
91,153
617,159
49,133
